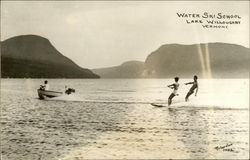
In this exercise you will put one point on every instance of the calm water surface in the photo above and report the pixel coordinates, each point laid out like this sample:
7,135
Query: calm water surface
113,118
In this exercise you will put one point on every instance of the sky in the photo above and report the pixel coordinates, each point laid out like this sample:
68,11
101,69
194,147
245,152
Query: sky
96,34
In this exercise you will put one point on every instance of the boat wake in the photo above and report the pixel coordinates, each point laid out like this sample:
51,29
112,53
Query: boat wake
186,106
66,97
178,105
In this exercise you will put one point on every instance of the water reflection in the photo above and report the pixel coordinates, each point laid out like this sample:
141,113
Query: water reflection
191,130
32,129
201,131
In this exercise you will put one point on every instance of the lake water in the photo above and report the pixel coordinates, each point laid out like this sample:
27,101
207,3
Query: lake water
114,118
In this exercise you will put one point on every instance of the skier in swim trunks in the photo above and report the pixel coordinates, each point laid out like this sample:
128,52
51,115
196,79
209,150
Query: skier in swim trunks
191,90
174,86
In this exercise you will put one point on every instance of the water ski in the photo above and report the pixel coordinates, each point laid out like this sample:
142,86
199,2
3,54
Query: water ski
176,103
158,105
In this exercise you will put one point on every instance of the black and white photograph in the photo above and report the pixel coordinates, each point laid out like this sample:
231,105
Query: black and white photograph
124,80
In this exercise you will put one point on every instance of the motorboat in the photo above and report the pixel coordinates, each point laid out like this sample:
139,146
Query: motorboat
42,94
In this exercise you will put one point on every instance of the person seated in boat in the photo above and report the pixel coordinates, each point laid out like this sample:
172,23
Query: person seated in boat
194,86
45,86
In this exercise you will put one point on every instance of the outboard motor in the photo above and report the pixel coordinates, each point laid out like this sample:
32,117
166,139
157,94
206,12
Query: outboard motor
69,91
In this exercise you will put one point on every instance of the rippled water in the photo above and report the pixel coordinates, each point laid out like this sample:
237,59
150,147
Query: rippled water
114,119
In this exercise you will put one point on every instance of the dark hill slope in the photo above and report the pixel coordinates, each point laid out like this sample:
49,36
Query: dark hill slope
225,61
31,56
130,69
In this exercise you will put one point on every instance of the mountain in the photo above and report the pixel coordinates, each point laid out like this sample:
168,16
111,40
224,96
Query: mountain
130,69
220,60
32,56
210,60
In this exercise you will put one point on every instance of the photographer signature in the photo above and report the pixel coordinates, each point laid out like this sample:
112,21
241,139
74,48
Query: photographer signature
225,148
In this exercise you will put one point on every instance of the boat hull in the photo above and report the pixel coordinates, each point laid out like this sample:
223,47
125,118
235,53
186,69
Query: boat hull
42,94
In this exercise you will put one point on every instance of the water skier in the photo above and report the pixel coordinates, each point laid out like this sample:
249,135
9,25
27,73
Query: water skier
174,86
191,90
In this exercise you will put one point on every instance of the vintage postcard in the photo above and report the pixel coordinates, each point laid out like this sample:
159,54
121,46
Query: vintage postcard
124,80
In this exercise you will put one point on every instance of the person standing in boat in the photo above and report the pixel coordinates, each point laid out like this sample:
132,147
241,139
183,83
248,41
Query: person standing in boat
45,86
174,86
194,86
